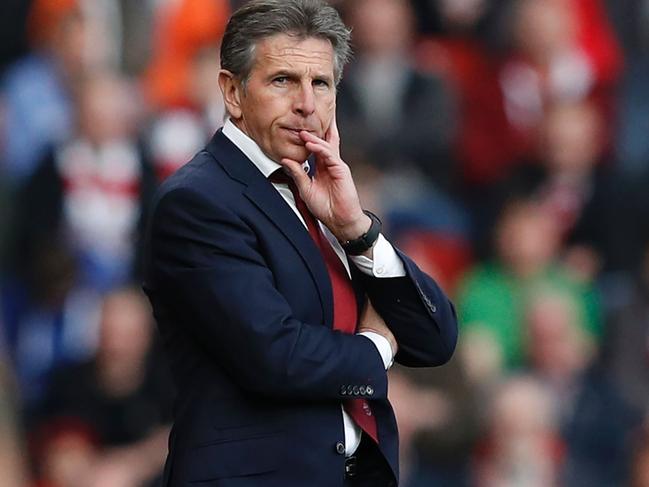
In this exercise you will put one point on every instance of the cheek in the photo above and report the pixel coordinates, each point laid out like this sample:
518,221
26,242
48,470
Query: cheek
269,113
327,112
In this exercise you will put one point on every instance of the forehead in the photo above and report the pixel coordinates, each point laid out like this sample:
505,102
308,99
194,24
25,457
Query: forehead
285,52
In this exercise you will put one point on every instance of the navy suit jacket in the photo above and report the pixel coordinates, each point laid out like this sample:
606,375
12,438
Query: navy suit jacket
244,305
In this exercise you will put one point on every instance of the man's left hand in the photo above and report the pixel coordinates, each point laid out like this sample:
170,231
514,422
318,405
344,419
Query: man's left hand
331,195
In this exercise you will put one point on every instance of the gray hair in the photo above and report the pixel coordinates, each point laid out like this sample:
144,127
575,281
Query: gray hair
259,19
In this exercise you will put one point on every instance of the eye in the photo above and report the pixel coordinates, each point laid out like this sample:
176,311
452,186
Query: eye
280,80
321,83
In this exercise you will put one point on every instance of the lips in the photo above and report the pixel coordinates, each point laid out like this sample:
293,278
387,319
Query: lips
298,129
295,132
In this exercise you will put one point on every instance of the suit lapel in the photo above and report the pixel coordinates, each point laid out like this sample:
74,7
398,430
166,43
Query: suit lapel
266,198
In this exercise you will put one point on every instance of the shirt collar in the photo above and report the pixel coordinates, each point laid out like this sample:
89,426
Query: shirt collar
252,151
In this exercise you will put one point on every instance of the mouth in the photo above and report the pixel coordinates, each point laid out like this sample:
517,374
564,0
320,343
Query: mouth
295,132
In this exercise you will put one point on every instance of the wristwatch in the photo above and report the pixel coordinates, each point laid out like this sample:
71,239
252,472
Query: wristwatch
365,241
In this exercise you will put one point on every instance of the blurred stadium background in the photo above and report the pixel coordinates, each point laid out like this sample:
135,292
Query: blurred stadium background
506,144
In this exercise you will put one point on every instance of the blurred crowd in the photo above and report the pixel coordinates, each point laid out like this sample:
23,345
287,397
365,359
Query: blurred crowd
505,143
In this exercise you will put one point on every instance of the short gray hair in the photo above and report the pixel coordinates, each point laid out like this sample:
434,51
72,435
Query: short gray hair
259,19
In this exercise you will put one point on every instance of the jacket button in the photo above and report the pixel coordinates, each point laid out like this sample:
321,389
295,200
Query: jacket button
355,390
343,390
362,390
370,390
340,448
350,390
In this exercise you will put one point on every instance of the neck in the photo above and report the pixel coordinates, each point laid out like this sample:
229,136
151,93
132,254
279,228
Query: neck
240,124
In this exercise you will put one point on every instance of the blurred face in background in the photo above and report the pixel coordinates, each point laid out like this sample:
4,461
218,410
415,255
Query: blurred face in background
381,27
125,333
107,108
462,14
573,138
521,410
543,28
557,346
527,238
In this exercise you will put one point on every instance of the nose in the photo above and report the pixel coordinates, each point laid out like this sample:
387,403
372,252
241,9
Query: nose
304,102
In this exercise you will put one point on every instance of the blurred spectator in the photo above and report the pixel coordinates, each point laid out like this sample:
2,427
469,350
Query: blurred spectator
556,346
122,33
582,190
522,445
401,118
122,396
183,28
443,441
436,427
181,81
596,422
177,133
560,50
36,91
457,52
563,50
493,296
75,230
571,151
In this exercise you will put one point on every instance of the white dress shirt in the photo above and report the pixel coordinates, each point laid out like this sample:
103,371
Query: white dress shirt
385,262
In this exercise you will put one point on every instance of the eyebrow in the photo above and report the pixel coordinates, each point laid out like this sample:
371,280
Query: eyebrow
295,75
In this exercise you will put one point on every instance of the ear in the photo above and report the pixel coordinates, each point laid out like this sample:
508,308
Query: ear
232,91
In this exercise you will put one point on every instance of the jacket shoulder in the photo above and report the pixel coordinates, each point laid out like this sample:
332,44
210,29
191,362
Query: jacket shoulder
202,176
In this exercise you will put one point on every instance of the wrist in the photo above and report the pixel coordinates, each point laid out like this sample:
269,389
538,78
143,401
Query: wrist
363,243
355,229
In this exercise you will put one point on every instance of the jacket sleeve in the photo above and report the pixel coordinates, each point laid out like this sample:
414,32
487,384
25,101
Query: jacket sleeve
206,260
421,317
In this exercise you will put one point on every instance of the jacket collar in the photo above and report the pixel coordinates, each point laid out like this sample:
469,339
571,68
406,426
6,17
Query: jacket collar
266,198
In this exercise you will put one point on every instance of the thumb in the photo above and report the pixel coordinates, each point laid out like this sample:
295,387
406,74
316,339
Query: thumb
297,173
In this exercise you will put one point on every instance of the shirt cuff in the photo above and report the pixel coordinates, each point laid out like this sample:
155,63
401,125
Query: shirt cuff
382,345
386,262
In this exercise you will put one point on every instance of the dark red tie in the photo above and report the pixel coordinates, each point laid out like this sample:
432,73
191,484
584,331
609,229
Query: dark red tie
345,310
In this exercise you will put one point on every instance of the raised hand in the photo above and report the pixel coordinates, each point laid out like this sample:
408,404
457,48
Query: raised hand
331,195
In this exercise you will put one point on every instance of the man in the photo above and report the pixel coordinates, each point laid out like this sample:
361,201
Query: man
251,286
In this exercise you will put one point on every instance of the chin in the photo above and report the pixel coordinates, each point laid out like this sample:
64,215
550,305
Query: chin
299,154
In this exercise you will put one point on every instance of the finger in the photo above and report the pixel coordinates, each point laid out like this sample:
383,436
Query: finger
319,149
320,145
310,137
325,155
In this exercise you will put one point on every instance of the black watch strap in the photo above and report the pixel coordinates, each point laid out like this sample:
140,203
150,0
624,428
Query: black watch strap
365,241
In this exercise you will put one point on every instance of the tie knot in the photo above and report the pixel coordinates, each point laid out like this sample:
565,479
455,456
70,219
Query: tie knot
279,176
